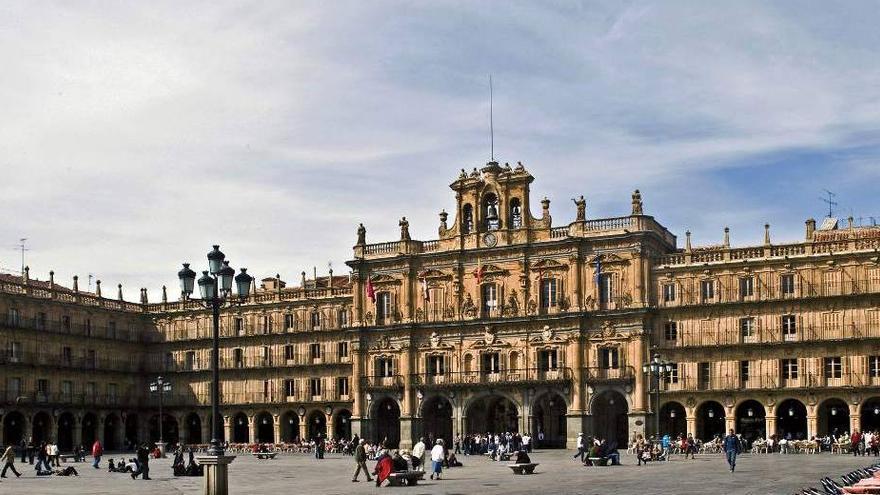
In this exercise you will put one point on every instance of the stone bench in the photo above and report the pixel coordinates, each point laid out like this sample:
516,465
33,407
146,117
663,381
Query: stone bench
523,468
598,461
66,457
405,478
264,455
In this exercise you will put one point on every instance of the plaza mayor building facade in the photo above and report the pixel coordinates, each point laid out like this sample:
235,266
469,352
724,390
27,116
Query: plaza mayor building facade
506,322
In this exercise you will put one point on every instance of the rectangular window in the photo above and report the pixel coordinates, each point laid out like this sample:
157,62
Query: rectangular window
609,358
491,362
315,386
707,290
548,359
668,292
65,323
789,327
238,358
746,287
266,357
13,384
67,388
672,375
833,367
435,305
316,320
874,366
342,318
342,385
190,360
383,308
111,330
13,349
786,283
704,375
91,359
14,317
747,328
289,388
342,350
66,356
91,389
436,365
112,391
88,327
42,386
489,294
238,324
288,352
549,293
267,390
288,322
606,289
744,369
40,322
267,324
315,351
789,369
384,367
670,330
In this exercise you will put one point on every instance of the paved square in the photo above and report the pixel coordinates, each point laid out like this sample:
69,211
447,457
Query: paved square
557,474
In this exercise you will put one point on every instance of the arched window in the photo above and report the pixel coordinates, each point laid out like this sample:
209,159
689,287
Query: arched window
490,212
515,214
467,219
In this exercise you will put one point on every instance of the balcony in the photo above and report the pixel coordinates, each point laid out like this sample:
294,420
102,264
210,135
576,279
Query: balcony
771,335
65,399
382,382
767,382
57,327
501,377
773,291
256,362
620,374
69,362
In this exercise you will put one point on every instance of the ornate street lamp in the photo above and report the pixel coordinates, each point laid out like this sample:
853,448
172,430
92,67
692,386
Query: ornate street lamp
160,386
657,370
215,288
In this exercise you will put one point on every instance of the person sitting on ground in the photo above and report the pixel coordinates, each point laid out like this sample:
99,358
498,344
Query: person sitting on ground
522,457
68,471
111,466
384,466
399,463
611,453
452,461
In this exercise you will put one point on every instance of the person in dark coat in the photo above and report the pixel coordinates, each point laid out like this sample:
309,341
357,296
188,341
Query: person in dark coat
143,458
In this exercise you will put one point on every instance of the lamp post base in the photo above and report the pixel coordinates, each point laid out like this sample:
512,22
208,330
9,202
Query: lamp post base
216,473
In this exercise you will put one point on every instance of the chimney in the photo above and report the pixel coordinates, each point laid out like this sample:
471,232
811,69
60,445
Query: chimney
52,279
687,246
811,228
727,237
120,291
98,288
75,283
164,294
766,234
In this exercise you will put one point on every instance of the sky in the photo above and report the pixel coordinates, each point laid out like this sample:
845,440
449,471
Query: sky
134,135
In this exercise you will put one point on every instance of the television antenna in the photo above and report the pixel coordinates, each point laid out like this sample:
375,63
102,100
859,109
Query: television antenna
22,246
830,202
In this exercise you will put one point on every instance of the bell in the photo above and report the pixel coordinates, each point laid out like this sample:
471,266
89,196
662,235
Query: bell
492,213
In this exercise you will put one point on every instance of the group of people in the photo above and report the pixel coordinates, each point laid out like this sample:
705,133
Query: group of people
46,455
496,445
392,460
593,450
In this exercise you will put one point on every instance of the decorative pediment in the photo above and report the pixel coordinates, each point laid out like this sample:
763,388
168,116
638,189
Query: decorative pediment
548,264
436,343
547,336
383,344
494,270
608,331
607,259
434,275
382,279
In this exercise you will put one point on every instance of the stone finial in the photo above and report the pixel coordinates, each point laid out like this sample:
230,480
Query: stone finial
727,237
144,298
120,291
811,228
637,208
303,281
766,234
330,280
51,278
443,217
687,246
581,205
362,235
404,229
76,283
164,294
98,288
545,206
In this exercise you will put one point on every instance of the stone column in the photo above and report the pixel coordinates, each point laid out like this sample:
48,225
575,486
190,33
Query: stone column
812,425
771,424
640,390
303,431
331,430
76,428
855,421
216,473
729,423
691,421
99,428
252,429
276,427
227,428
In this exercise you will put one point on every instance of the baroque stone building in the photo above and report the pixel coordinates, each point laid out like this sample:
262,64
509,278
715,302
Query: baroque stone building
504,322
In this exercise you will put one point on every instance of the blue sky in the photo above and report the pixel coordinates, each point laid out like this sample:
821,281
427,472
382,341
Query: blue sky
136,134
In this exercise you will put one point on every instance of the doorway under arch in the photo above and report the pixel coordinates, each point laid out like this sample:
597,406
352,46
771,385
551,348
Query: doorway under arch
673,420
833,417
265,428
710,421
289,427
41,427
240,428
751,421
610,417
317,425
169,434
791,420
111,425
548,416
193,429
89,429
387,417
870,414
342,424
66,424
437,419
492,414
132,436
13,428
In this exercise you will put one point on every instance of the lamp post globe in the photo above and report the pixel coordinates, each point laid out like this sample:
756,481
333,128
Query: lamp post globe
206,286
215,260
243,283
225,275
187,279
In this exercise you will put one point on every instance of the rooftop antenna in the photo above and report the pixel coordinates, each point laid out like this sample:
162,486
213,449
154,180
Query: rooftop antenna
491,124
830,201
22,246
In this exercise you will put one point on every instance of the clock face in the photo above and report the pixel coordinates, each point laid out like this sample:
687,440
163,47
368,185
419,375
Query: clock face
490,239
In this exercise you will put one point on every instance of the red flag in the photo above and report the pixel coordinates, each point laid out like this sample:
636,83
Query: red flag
371,293
478,273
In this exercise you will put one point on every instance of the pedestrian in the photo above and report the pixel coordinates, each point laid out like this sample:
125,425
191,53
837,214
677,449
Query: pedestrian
31,448
418,455
320,446
97,452
360,459
731,449
581,448
143,458
8,462
53,454
855,441
43,458
437,457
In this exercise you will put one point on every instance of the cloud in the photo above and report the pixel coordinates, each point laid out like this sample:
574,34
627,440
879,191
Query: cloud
136,135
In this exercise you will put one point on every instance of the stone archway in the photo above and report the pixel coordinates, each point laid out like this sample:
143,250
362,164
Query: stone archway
289,427
41,427
132,435
610,419
751,420
386,414
265,428
170,432
833,417
193,429
437,419
548,416
13,428
240,428
492,414
673,420
89,429
66,424
870,414
317,425
342,424
710,421
791,420
111,426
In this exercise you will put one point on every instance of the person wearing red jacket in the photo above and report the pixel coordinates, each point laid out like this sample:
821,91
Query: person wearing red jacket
97,452
855,440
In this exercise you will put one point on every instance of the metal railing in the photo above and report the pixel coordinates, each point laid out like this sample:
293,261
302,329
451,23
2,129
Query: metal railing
59,327
623,373
60,398
732,335
769,381
772,291
276,360
509,376
102,363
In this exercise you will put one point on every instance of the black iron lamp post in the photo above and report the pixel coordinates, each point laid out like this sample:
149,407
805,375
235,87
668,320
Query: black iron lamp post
215,288
160,386
657,370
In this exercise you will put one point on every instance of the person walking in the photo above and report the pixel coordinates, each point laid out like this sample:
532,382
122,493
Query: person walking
581,448
8,462
418,455
731,449
437,457
143,458
53,454
97,452
320,446
855,441
360,459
